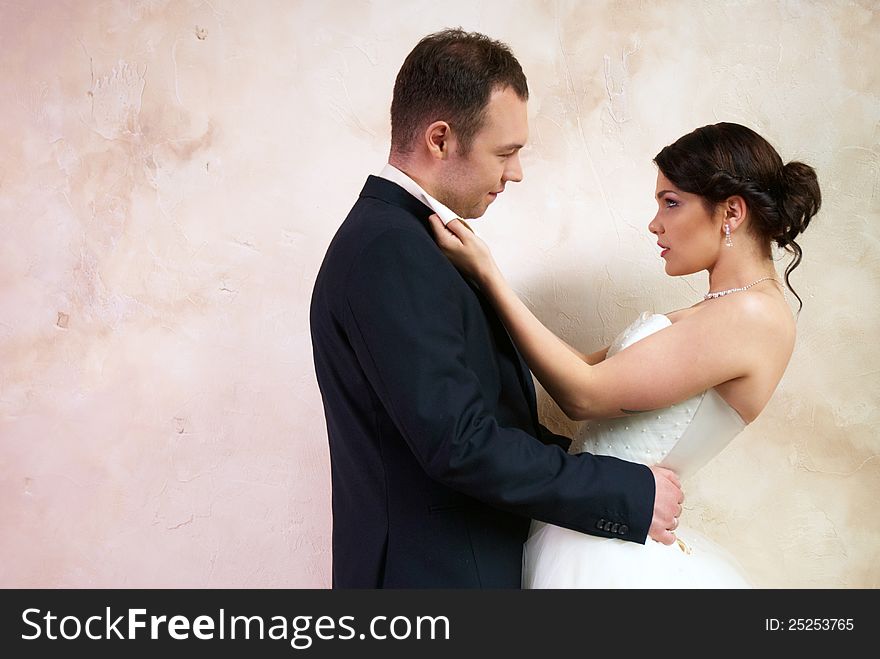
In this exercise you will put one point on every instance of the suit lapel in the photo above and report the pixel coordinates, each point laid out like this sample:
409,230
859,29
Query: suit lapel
525,375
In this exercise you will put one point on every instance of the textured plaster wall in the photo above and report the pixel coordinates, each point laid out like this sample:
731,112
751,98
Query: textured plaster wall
171,173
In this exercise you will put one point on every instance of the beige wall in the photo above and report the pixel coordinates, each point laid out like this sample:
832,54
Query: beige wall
172,172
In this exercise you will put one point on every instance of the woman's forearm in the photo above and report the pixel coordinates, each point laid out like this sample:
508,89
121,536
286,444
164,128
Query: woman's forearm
561,370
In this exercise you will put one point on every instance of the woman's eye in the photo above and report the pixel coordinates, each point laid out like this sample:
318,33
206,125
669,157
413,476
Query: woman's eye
670,202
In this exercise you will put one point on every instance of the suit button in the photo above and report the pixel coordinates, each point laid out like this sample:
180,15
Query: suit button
600,524
615,527
624,529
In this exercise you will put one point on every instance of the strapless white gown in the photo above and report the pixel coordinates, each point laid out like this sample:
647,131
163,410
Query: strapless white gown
682,437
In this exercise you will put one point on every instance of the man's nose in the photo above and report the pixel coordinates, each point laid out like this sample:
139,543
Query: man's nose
513,171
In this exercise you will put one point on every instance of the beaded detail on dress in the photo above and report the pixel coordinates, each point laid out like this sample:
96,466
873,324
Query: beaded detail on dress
683,436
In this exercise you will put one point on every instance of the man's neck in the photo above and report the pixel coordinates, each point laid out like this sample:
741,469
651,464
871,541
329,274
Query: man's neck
417,189
415,172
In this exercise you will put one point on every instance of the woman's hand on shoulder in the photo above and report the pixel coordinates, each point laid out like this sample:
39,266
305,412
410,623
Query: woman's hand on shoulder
463,248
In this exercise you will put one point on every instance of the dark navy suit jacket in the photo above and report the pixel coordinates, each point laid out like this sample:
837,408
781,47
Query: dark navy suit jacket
438,461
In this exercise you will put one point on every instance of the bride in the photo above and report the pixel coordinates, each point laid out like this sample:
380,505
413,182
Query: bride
673,389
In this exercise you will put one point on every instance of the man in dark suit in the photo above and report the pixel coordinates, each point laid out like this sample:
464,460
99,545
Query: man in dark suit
438,459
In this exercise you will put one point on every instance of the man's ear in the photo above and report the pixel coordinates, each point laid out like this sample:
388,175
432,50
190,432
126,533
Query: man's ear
735,211
439,139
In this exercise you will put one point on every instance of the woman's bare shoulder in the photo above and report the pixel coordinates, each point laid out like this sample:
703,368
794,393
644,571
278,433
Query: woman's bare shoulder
758,318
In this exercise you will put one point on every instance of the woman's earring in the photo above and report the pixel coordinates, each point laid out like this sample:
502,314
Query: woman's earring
727,241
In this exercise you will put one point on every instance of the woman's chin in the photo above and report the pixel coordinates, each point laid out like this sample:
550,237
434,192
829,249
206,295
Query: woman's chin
678,271
675,270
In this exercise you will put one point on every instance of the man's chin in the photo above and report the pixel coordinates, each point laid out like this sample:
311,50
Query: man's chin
474,213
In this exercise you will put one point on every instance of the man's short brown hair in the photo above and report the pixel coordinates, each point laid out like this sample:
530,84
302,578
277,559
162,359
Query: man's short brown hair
449,76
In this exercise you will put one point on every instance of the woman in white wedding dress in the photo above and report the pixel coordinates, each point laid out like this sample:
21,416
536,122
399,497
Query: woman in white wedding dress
672,389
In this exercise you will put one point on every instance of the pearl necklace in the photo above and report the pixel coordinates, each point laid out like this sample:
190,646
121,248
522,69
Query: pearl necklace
712,296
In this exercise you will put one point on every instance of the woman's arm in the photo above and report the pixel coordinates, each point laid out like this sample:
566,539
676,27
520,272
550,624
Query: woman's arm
700,351
595,357
592,358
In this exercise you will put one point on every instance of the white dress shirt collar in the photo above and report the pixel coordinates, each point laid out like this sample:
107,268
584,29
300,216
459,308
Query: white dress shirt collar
391,173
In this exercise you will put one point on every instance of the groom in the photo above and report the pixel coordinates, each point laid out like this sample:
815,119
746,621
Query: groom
438,460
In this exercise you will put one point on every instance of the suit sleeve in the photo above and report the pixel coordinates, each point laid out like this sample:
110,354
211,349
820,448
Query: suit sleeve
404,305
551,438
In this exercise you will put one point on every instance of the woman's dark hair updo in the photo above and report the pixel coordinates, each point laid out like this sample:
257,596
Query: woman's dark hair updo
723,160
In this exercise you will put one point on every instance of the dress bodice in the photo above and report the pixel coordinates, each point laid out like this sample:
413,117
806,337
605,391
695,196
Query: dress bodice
682,437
